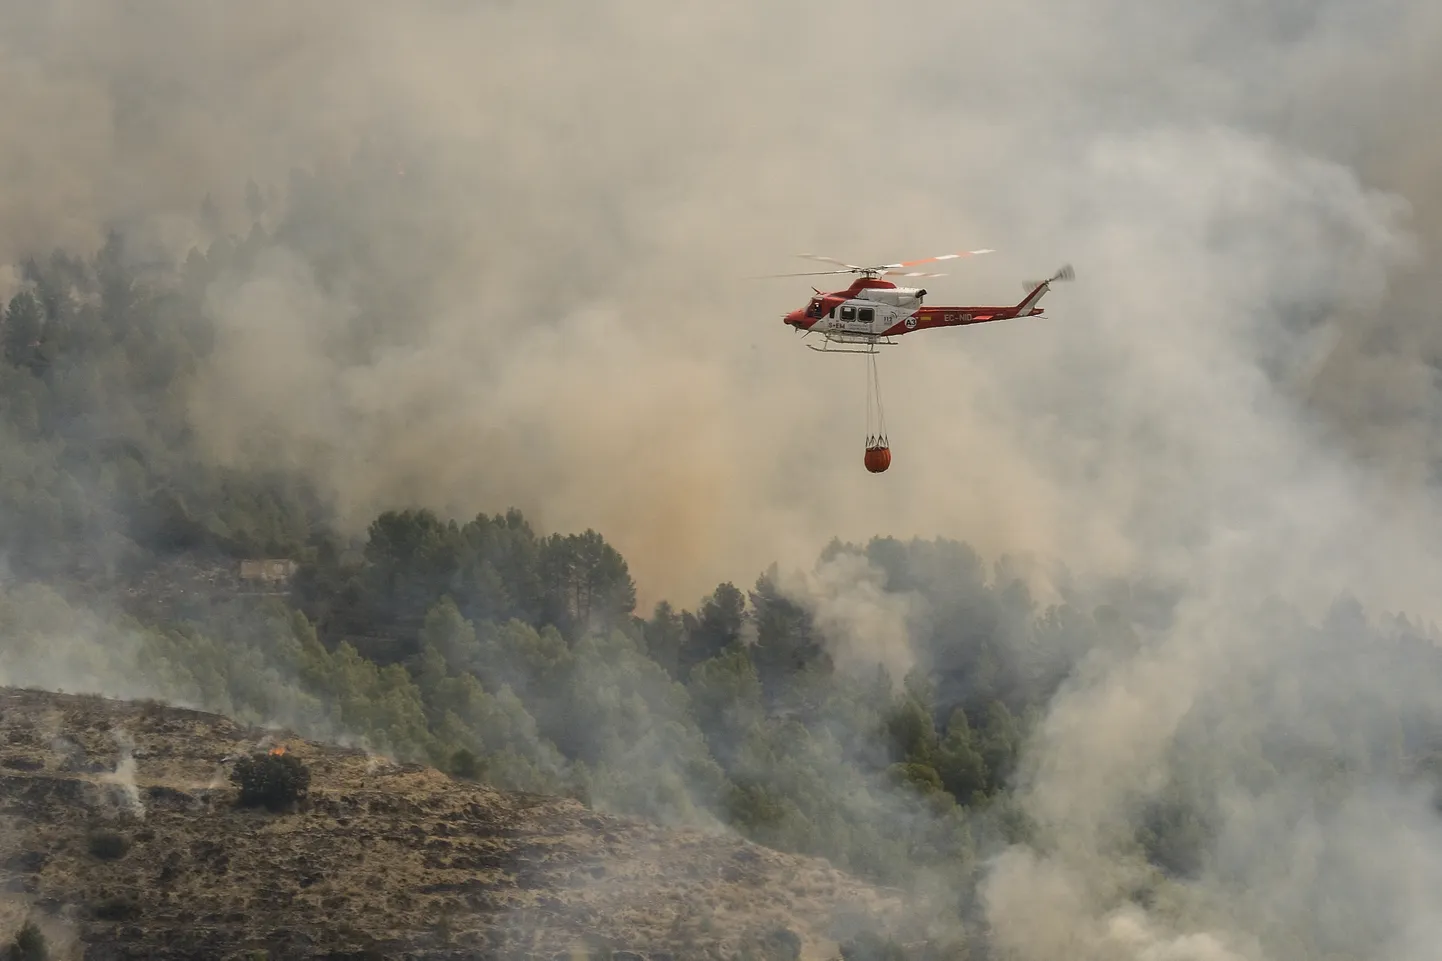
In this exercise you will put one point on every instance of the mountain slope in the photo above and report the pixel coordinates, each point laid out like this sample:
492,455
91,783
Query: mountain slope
121,836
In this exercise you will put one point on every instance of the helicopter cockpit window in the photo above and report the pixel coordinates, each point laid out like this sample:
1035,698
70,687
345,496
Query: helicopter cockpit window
814,310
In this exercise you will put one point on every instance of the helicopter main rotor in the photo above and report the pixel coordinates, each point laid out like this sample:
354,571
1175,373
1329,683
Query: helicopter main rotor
880,270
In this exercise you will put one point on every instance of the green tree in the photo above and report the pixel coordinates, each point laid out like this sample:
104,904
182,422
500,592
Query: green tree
633,727
450,635
961,767
786,640
911,726
588,583
999,742
24,329
500,577
413,560
726,697
664,636
714,628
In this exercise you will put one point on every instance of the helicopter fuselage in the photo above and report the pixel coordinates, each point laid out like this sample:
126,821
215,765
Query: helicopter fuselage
872,309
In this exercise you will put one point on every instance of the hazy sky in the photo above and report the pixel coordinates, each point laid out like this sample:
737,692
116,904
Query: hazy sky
588,190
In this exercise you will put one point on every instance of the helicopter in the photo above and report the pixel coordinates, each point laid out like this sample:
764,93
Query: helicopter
872,311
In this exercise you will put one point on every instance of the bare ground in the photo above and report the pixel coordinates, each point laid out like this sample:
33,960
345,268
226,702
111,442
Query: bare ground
383,861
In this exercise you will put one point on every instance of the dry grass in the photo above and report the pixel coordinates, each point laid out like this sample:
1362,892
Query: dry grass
384,857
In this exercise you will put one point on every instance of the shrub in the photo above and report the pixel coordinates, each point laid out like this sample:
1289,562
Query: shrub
118,908
29,945
782,944
273,781
465,765
108,846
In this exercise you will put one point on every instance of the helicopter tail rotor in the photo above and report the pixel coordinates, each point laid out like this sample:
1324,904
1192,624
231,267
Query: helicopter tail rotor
1065,273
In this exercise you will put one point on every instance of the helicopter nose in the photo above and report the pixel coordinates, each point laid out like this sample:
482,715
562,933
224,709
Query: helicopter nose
793,318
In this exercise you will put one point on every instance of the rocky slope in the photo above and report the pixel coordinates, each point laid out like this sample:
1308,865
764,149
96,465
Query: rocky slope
122,839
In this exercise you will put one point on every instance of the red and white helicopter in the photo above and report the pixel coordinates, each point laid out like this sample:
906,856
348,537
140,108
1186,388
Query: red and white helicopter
872,311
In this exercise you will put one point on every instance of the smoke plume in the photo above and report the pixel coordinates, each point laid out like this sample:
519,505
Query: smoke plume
864,623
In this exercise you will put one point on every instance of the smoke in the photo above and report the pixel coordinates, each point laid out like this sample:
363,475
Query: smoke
864,624
1274,758
126,793
52,646
529,290
541,297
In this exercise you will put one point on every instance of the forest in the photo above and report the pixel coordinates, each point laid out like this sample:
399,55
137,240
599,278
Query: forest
518,657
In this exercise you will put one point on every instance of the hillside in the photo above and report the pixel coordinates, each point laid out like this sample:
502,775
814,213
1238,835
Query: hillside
383,860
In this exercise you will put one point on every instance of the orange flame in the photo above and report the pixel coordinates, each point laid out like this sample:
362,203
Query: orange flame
278,750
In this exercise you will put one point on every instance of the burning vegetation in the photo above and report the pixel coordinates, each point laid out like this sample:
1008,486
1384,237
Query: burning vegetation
272,779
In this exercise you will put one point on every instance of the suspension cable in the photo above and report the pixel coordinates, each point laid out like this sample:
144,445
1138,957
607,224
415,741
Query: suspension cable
876,437
880,413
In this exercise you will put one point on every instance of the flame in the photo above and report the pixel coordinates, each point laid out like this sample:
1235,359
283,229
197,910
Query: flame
278,750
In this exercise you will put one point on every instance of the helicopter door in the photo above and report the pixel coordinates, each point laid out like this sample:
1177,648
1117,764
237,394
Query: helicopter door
857,319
